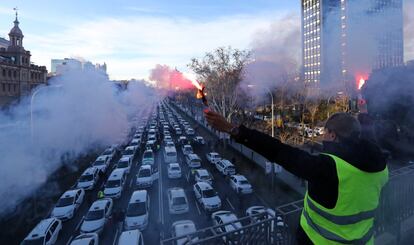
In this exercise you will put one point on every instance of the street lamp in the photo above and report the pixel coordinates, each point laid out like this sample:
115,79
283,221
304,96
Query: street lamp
273,112
31,105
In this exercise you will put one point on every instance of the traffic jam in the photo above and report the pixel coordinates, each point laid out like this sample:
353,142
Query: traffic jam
165,183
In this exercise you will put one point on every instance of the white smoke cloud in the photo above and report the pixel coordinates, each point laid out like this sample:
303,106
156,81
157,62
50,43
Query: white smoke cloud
76,113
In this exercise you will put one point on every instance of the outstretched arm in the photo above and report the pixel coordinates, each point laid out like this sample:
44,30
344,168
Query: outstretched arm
298,162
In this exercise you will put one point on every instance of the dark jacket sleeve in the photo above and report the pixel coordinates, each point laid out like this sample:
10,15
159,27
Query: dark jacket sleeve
298,162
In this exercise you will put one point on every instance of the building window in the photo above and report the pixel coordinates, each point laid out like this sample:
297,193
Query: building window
14,74
4,72
15,87
4,87
8,87
9,73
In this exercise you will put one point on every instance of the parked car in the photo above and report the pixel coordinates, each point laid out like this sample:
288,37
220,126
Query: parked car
101,163
124,163
193,161
146,176
240,184
182,228
97,216
202,175
88,179
131,237
207,196
148,157
68,204
227,217
46,232
137,213
177,201
213,157
174,171
86,239
115,183
225,167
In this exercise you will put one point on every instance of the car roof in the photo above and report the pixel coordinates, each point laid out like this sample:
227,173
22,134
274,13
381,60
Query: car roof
129,237
130,147
138,196
204,185
202,171
177,191
184,227
124,158
145,166
99,204
100,158
213,153
239,177
89,171
174,164
193,156
227,162
41,228
226,216
116,174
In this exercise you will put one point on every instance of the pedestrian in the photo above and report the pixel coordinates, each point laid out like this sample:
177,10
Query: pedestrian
100,194
344,181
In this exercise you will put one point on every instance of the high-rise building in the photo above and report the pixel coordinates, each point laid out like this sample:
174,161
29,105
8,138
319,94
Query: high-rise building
344,40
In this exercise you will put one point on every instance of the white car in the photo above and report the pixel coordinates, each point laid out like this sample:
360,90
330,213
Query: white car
129,152
183,228
135,143
86,239
225,167
213,157
177,201
202,175
101,163
148,157
167,138
207,196
226,217
115,183
193,161
169,144
186,149
146,176
68,204
131,237
174,171
109,153
88,179
45,233
189,131
137,213
199,140
240,184
97,216
260,213
124,163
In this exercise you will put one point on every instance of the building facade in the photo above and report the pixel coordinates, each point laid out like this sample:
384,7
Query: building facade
18,76
60,66
344,40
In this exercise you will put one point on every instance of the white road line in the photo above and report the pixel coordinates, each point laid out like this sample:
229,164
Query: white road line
70,239
227,199
80,222
116,235
198,209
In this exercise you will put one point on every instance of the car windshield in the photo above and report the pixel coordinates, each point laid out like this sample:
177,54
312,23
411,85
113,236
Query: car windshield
113,183
171,154
175,168
65,201
94,215
205,177
107,152
99,163
36,241
179,201
147,154
230,169
122,164
244,182
195,161
134,143
129,152
136,209
144,173
86,178
209,193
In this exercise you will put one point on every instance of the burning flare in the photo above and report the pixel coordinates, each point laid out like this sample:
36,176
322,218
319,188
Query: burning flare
361,83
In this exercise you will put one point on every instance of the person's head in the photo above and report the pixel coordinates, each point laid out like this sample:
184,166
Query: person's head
342,127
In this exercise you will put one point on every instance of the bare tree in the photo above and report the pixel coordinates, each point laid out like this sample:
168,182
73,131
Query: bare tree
221,71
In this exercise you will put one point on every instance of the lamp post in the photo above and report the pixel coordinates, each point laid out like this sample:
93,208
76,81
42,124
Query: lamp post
31,105
273,111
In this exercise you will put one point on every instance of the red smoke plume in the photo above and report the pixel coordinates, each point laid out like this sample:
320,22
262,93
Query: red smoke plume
171,79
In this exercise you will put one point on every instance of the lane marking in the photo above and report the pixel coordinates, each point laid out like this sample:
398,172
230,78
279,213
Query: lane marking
116,235
70,239
228,201
198,209
80,222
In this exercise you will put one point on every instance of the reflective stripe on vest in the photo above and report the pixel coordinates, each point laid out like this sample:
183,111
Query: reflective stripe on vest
333,237
342,220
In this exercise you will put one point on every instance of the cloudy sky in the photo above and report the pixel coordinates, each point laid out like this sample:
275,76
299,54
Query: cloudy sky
131,36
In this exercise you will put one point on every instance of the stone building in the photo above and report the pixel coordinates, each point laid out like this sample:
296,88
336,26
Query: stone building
18,76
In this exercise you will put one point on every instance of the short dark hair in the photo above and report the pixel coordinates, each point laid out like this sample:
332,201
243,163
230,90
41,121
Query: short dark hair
345,126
